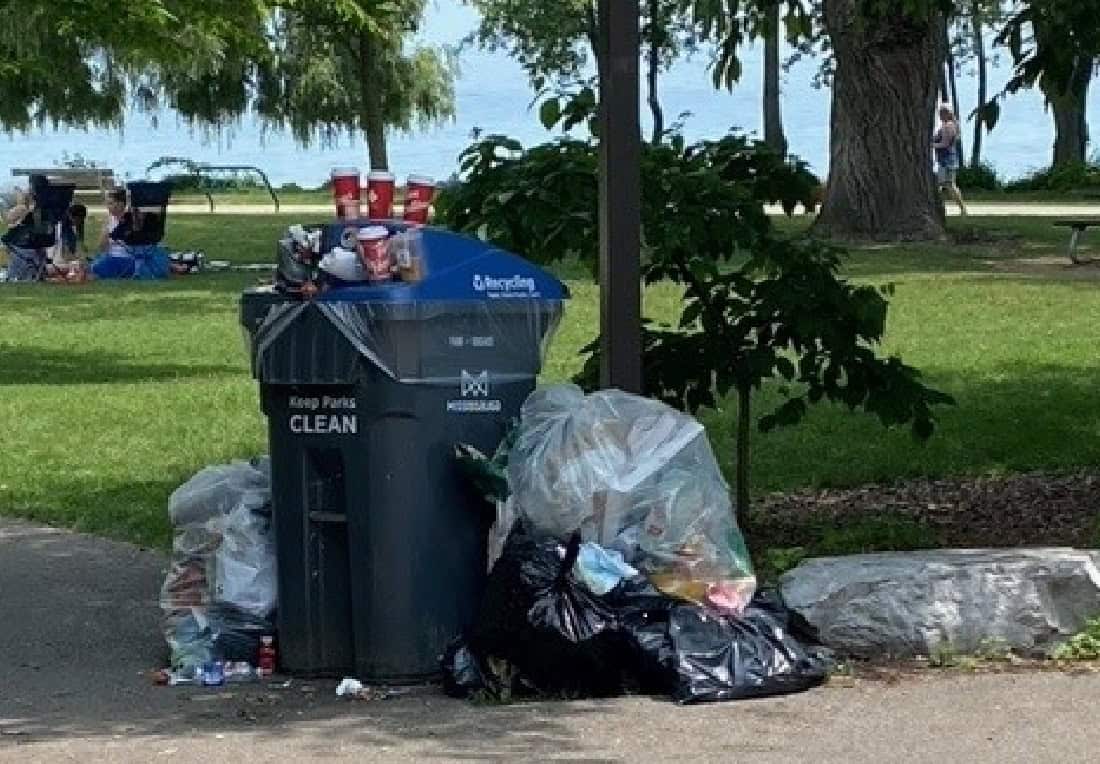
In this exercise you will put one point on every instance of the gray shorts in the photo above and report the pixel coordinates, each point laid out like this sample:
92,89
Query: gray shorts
946,176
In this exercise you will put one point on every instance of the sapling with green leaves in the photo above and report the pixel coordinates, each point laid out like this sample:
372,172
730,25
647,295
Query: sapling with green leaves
757,306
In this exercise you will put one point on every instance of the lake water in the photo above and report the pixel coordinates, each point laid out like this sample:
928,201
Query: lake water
493,95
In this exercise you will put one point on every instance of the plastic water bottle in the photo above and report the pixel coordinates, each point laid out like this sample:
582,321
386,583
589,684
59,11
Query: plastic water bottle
213,674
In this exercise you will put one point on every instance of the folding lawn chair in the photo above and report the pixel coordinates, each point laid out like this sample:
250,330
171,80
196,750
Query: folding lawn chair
29,241
148,208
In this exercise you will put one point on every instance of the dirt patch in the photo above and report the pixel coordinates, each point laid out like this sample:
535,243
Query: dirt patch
980,236
1033,509
1049,266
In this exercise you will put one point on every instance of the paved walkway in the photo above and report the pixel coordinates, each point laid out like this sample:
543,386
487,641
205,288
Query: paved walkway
79,631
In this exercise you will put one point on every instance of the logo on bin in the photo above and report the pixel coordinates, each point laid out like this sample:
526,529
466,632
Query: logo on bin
475,385
520,286
475,396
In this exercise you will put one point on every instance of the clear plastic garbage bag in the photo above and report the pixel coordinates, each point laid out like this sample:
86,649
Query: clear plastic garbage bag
223,561
244,563
635,476
216,490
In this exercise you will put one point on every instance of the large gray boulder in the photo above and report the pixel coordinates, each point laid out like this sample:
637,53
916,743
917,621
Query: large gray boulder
910,603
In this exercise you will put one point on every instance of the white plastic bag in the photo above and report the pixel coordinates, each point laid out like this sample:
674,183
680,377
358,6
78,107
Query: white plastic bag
344,265
632,475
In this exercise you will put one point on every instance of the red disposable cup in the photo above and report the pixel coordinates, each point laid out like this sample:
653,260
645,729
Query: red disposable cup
345,192
380,187
419,193
374,254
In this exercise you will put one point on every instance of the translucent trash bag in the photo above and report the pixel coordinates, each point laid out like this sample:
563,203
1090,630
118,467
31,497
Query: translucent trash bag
221,587
218,489
636,476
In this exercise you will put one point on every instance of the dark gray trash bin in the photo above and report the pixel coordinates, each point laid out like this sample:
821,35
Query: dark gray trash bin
381,542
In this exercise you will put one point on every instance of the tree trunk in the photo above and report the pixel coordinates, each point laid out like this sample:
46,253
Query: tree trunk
377,151
656,30
744,430
1068,102
881,184
592,32
952,80
773,114
1071,130
983,80
373,119
945,92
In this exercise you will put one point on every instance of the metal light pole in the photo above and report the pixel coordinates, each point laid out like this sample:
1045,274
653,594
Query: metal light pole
620,197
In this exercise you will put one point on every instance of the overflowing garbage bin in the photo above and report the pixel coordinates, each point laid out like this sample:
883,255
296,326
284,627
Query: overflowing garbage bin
367,388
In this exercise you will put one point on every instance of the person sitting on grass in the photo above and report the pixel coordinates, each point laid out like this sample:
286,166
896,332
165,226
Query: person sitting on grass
65,259
31,258
73,230
120,260
16,209
114,260
27,262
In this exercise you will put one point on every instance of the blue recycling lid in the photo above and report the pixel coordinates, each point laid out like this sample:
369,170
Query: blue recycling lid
457,268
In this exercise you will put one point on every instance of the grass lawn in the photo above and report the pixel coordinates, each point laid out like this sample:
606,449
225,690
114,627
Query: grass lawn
258,197
113,394
236,238
261,198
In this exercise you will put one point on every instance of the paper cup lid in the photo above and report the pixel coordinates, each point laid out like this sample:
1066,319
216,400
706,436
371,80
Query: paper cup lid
420,180
380,175
344,172
373,232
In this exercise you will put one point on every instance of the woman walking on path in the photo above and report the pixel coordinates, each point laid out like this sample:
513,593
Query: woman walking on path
948,149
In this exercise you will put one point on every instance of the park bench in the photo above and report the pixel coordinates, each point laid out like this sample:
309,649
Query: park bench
89,181
1078,228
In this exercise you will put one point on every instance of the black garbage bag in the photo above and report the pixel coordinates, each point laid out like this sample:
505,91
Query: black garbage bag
541,632
467,675
462,674
538,619
237,634
770,602
754,655
643,614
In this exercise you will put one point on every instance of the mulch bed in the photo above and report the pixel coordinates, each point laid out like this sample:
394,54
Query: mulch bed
1034,509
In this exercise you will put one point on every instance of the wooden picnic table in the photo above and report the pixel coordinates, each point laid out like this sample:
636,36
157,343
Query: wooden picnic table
1078,226
88,180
